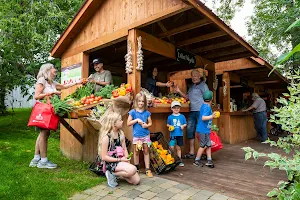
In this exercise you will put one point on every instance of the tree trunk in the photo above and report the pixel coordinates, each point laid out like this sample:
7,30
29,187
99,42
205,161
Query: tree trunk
2,99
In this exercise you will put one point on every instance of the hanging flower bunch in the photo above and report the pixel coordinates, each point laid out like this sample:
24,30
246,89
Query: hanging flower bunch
204,73
140,57
128,59
215,83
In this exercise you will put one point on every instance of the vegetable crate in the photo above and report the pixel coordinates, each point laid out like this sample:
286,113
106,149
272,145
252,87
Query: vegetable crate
157,163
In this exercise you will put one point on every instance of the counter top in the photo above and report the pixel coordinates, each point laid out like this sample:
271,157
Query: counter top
236,113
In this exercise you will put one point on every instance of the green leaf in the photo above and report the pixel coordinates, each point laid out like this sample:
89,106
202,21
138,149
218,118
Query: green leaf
273,193
287,56
248,155
255,155
293,25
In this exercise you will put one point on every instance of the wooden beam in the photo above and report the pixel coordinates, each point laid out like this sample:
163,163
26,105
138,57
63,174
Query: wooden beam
166,49
134,79
232,57
201,38
266,82
215,46
184,28
163,28
226,52
237,64
210,15
237,79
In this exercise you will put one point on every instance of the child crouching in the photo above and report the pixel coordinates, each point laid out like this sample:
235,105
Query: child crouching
203,129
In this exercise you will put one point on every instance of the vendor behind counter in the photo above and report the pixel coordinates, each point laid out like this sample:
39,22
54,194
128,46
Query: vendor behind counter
152,85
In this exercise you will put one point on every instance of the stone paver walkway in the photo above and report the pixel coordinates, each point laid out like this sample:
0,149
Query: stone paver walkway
155,188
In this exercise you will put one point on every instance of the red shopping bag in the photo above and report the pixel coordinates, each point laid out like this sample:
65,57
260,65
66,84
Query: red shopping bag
43,116
216,143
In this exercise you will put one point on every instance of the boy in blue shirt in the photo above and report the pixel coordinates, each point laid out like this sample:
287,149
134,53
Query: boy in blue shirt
176,123
203,129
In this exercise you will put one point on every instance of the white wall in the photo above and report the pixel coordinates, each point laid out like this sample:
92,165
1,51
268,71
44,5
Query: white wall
15,99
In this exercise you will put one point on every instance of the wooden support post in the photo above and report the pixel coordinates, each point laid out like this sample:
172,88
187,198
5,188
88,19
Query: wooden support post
226,98
85,65
134,79
210,82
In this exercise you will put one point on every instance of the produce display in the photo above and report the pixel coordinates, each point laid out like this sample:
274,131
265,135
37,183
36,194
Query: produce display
164,154
98,111
122,90
61,107
83,91
106,91
166,100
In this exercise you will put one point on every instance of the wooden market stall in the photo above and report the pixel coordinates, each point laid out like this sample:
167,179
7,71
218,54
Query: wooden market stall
238,80
176,35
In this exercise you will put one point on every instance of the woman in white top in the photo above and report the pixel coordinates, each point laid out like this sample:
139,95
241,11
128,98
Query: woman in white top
45,86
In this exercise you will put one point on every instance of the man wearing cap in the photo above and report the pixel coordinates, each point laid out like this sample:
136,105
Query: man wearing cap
260,116
101,77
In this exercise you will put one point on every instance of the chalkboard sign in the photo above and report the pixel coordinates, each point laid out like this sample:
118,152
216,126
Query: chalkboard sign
244,82
185,57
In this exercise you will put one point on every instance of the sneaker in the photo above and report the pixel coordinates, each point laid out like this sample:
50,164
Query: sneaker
197,163
48,165
111,179
210,164
33,163
189,156
149,173
181,164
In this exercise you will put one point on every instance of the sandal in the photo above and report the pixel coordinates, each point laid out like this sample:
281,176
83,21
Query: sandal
149,173
189,156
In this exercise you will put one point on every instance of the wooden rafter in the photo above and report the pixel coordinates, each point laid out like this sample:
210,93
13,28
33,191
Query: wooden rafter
201,38
266,82
232,57
215,46
226,52
184,28
164,30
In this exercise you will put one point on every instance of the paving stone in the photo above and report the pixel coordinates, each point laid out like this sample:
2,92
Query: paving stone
232,199
101,193
165,185
199,196
109,189
132,194
157,198
150,183
206,193
157,189
190,192
124,198
160,181
174,190
94,197
79,196
127,186
109,198
180,197
118,193
89,191
143,188
147,195
99,187
219,197
172,183
165,194
182,186
139,198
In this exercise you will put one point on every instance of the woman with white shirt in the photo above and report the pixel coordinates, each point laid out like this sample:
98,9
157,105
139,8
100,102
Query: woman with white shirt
45,86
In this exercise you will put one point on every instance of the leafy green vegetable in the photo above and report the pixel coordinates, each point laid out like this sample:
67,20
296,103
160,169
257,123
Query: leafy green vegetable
60,106
83,91
106,91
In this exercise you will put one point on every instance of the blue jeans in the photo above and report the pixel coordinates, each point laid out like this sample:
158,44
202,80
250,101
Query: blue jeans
260,124
192,123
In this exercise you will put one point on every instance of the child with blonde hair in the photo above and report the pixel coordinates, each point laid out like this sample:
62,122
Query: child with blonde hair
140,119
113,151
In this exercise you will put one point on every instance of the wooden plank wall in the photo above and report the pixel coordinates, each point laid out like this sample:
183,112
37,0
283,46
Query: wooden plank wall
115,15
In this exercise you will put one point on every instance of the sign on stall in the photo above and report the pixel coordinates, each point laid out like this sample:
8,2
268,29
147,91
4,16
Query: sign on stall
185,57
71,74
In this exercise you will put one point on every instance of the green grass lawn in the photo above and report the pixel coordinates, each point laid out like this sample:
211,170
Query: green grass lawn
18,181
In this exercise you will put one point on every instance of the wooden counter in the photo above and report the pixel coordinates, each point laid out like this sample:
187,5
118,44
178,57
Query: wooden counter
236,127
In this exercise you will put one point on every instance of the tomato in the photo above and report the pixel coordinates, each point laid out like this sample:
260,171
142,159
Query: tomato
92,99
92,96
95,101
83,98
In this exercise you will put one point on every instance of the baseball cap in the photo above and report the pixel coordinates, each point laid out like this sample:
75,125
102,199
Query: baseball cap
97,61
207,95
175,103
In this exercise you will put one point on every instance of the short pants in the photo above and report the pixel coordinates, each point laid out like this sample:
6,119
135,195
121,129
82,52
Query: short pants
144,140
176,140
205,140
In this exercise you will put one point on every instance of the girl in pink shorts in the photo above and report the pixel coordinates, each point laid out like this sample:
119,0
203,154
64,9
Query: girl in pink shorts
140,118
